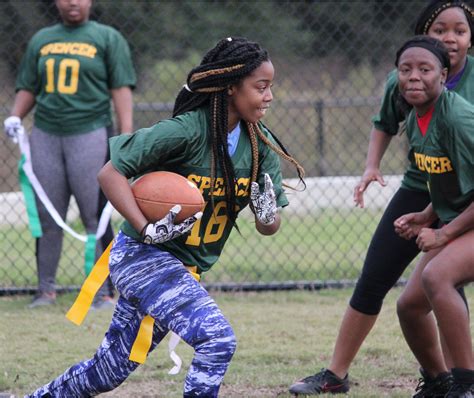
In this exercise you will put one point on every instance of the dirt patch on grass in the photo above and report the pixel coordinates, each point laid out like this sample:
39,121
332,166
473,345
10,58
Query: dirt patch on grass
401,383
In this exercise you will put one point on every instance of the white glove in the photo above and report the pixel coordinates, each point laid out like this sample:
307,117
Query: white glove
12,126
165,229
263,204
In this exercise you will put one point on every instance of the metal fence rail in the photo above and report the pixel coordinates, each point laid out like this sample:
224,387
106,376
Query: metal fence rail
331,60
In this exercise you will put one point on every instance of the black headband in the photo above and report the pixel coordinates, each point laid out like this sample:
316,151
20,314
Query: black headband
434,46
436,7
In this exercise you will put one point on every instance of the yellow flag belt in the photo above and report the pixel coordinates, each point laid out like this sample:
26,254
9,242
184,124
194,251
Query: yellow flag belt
89,289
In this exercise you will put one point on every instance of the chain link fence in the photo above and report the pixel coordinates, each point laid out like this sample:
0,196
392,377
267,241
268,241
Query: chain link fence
331,60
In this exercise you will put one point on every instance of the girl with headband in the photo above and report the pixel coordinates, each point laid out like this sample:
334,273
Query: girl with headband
440,128
389,255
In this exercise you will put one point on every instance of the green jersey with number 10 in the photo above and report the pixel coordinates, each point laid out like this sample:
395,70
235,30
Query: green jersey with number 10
71,70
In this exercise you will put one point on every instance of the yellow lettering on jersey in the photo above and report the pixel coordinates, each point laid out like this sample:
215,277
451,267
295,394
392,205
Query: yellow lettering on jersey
445,165
45,50
60,48
219,187
91,52
73,48
242,186
433,164
428,164
419,162
204,184
195,179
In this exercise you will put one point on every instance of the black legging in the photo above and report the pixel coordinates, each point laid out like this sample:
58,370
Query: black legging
388,254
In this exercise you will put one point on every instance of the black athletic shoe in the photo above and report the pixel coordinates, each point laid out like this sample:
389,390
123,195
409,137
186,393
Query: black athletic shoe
437,387
463,385
323,382
461,391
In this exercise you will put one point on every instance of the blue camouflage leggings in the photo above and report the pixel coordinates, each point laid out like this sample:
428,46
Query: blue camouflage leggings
154,282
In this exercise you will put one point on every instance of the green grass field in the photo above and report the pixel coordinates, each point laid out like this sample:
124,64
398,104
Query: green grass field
282,336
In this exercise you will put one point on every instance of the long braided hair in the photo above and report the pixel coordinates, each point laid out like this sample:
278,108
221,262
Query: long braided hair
230,61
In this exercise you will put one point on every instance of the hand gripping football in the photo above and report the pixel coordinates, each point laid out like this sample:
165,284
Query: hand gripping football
157,192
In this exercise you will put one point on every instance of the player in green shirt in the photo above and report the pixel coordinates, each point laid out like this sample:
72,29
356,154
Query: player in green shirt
388,255
216,140
167,142
70,72
441,132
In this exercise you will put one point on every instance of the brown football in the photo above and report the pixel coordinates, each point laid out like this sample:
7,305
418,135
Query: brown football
157,192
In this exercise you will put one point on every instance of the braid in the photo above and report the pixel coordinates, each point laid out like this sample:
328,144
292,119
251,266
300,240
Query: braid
281,151
436,7
254,144
225,65
220,148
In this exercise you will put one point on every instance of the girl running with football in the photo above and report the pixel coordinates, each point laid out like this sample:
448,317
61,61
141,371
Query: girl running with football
215,138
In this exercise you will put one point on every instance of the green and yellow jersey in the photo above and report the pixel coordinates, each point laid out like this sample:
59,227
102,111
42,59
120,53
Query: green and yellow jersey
183,145
71,70
445,154
390,116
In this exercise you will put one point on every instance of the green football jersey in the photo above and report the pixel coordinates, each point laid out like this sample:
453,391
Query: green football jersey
389,117
445,154
182,145
71,70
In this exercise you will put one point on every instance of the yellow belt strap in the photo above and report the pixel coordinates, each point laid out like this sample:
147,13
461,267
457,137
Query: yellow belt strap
92,284
142,343
89,289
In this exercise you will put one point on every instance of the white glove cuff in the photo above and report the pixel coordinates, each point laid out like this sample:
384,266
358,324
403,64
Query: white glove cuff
12,121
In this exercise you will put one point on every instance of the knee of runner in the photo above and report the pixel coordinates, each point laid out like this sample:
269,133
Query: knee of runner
431,280
403,306
221,342
368,296
366,307
226,341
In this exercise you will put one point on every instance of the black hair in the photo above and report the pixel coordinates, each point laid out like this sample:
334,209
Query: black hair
230,61
436,7
435,46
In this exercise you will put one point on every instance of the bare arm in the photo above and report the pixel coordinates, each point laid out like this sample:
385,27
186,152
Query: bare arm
123,105
461,224
409,225
378,144
117,189
24,103
429,239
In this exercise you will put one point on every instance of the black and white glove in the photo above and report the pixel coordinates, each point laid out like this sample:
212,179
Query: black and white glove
12,126
165,229
263,204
